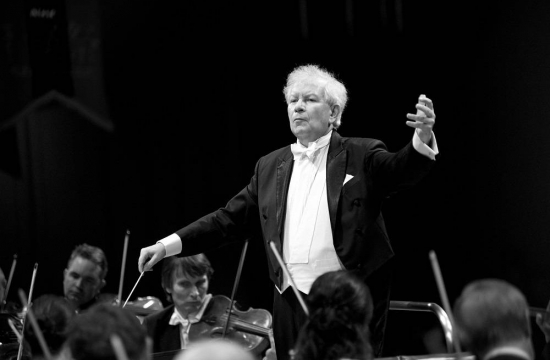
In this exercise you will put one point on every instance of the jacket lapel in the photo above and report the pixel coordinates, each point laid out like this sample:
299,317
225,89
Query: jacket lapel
336,173
170,338
284,170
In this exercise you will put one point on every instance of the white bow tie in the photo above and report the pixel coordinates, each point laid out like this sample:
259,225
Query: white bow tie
299,151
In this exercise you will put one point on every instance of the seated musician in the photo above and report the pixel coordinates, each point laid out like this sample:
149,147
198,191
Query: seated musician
52,313
89,335
84,276
492,321
337,327
185,282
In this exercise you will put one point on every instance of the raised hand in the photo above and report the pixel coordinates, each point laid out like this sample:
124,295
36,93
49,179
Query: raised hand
424,119
150,255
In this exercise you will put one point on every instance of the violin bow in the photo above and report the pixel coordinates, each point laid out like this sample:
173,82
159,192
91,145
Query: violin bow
285,270
444,298
118,347
35,327
25,312
12,270
121,282
235,286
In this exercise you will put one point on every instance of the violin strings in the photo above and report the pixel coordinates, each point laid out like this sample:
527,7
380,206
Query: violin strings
260,329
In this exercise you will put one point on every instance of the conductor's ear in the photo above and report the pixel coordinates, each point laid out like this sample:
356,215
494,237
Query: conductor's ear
334,112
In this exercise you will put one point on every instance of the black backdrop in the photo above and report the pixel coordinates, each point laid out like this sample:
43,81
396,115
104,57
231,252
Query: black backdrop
191,95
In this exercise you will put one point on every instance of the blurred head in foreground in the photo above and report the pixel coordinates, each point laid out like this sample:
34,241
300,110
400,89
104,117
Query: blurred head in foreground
340,309
89,335
492,317
53,314
215,350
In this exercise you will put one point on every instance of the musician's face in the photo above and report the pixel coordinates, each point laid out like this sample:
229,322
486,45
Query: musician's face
81,281
188,292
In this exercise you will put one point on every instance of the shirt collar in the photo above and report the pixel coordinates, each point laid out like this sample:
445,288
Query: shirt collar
321,142
195,317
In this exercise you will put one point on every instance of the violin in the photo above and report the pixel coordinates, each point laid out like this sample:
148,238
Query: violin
144,306
251,329
140,307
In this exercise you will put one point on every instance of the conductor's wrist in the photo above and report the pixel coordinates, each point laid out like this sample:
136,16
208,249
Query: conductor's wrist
172,245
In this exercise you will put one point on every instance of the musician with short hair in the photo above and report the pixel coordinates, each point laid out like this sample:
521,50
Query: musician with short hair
84,276
89,336
185,281
492,321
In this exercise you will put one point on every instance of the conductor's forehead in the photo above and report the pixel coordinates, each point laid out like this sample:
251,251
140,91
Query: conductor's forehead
306,87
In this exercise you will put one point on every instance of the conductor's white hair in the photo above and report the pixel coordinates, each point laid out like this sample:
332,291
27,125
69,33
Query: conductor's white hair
334,90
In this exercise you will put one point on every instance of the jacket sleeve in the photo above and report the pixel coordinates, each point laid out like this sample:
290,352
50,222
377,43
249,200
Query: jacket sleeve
396,171
238,220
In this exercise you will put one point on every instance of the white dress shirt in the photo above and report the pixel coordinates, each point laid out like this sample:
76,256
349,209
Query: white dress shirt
308,248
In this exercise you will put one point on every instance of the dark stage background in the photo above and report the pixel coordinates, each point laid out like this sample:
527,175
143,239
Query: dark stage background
146,115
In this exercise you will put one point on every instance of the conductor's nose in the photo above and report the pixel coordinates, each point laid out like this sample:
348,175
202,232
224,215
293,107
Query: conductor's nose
299,107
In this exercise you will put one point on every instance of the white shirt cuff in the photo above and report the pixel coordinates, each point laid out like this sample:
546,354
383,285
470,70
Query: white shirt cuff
425,149
172,244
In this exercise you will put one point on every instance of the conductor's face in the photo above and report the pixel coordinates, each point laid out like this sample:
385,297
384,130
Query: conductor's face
188,292
309,114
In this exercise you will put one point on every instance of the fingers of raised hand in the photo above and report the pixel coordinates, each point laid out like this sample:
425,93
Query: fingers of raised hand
144,255
420,120
425,110
426,101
